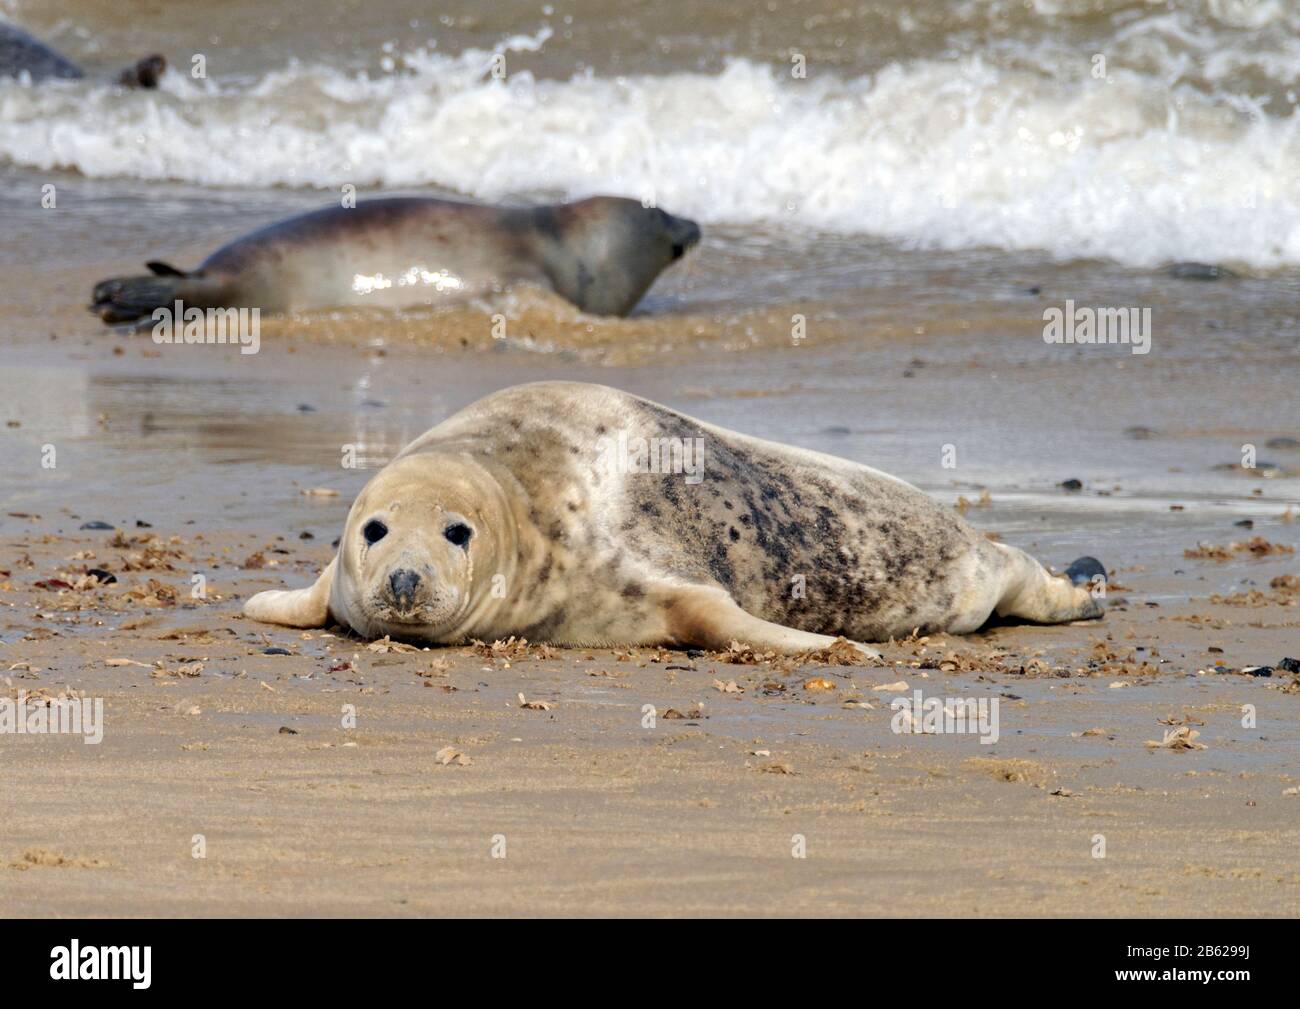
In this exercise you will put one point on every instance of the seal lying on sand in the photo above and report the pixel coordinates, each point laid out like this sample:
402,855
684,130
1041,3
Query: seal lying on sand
582,515
21,53
602,254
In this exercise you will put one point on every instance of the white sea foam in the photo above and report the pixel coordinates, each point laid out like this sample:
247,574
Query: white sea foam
960,153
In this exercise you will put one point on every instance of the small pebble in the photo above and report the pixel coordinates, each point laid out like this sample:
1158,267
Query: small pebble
1199,271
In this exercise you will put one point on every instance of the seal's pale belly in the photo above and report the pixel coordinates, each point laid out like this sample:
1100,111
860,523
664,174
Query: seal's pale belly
394,278
367,257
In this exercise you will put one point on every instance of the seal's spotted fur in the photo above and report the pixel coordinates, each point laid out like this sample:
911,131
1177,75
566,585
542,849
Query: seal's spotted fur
775,546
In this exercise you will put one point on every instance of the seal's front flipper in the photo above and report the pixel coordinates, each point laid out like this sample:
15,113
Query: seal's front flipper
706,617
295,607
144,74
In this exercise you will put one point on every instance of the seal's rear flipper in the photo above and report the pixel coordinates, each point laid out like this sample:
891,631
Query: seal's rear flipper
144,74
1029,592
125,299
1085,569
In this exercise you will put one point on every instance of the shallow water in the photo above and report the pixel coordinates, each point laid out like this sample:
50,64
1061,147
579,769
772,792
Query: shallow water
936,125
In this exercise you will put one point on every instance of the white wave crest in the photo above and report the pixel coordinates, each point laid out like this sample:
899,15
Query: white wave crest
950,154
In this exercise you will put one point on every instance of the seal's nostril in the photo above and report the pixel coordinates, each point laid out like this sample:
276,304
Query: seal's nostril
403,583
685,235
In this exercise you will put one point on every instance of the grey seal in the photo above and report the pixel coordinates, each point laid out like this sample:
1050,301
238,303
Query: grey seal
602,254
21,53
579,514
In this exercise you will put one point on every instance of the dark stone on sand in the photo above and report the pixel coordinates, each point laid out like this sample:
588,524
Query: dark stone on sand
276,651
1035,290
305,535
1140,433
286,731
1245,523
1200,271
142,524
1289,665
105,577
1085,569
1071,484
306,408
1285,444
1263,468
97,524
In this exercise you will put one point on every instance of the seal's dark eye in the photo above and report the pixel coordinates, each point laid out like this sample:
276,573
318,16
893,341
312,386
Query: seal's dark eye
458,534
374,531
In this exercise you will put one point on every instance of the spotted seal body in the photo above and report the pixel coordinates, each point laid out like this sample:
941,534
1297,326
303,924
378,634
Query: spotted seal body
583,515
602,254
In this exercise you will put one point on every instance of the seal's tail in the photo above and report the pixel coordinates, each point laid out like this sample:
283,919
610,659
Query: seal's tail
144,73
126,299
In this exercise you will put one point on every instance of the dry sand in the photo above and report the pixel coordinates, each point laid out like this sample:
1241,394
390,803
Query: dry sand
206,734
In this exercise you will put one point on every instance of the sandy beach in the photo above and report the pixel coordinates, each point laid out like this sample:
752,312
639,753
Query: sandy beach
315,780
1147,764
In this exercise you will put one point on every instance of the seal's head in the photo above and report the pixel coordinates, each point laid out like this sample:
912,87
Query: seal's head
423,540
603,253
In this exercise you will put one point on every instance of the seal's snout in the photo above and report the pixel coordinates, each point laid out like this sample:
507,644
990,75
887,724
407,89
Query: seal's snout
684,233
402,584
